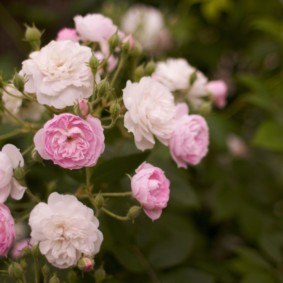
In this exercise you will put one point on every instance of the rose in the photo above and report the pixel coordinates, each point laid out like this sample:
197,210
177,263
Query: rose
147,25
65,229
70,141
7,229
190,139
59,74
10,159
151,189
96,28
67,34
151,112
179,75
218,89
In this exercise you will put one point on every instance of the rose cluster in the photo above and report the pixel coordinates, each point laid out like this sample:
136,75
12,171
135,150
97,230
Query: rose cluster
67,80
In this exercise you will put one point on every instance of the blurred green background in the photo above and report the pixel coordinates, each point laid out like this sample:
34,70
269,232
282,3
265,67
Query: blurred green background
224,223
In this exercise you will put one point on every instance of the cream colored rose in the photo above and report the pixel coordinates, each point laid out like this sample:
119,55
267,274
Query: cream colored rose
151,112
65,229
59,74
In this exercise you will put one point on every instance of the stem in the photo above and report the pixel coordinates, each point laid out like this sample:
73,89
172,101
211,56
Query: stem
36,267
33,197
11,134
113,215
28,150
117,73
122,194
88,178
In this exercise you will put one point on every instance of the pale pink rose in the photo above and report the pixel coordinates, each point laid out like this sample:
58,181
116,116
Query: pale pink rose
67,34
218,89
96,28
65,230
150,188
189,141
150,112
70,141
18,248
7,229
10,159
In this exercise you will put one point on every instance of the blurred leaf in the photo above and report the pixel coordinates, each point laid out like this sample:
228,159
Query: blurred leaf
258,277
270,136
188,275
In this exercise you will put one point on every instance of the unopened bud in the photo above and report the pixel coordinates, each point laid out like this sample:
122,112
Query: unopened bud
99,201
205,108
23,264
19,82
35,156
102,87
82,108
113,41
134,212
45,270
115,110
93,64
33,37
19,173
54,279
100,275
149,68
192,78
86,264
15,271
139,73
136,51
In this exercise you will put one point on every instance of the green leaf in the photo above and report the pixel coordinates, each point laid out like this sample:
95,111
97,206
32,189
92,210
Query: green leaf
269,136
116,168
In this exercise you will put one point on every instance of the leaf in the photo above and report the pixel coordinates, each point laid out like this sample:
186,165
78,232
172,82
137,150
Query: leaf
269,136
168,241
116,168
189,275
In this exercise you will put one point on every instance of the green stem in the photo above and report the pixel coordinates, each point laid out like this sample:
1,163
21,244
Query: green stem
28,150
36,267
33,197
88,174
122,194
11,134
117,73
113,215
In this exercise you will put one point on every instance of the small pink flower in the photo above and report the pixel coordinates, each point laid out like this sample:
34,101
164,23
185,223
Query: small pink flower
67,34
7,229
151,189
18,248
189,141
70,141
218,90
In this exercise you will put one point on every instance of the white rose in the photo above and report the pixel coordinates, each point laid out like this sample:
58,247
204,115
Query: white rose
176,74
10,159
59,73
96,28
12,99
65,229
151,112
147,25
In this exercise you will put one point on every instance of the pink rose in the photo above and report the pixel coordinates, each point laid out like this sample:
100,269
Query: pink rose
151,189
189,141
218,89
67,34
19,246
70,141
7,229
